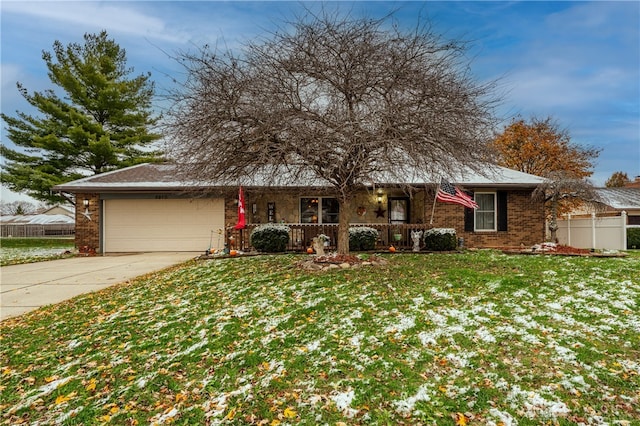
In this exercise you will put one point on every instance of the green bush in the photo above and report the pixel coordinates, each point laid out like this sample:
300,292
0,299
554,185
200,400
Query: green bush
270,238
362,238
633,238
440,239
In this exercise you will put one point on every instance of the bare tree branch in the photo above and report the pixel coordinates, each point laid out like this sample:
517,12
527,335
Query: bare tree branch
559,187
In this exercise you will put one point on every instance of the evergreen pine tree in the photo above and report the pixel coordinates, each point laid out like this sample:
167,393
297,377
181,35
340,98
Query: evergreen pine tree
101,123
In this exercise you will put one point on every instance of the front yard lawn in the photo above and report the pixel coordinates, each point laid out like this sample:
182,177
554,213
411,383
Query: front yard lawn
15,251
473,338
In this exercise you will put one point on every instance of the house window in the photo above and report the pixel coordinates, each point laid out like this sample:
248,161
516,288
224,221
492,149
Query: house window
485,214
319,210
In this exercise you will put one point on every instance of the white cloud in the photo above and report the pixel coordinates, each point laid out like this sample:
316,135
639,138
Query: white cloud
115,16
557,88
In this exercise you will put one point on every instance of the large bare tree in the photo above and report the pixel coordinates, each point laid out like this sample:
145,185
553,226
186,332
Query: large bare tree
340,99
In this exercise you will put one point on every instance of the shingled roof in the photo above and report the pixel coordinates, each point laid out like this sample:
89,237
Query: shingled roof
164,177
620,198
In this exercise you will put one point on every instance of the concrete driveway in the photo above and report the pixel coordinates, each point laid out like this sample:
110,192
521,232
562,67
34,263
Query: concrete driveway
24,288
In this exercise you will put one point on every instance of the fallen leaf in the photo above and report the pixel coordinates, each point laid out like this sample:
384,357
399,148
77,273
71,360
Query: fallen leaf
289,413
461,420
61,399
64,398
231,414
91,386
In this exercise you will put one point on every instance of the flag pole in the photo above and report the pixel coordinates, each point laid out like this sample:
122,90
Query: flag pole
433,209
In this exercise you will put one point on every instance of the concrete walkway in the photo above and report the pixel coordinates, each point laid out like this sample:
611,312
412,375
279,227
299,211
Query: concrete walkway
24,288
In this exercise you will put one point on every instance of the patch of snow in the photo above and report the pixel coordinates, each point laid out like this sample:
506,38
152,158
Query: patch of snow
355,340
405,323
65,416
503,417
485,335
313,346
428,338
406,406
166,416
343,402
42,391
535,406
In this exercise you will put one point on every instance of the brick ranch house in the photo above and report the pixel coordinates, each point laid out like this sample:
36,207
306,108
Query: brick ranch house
144,208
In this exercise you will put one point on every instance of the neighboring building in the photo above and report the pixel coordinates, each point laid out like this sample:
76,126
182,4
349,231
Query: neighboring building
617,200
633,184
58,209
145,208
37,225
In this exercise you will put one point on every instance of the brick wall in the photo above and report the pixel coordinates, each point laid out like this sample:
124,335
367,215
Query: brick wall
87,231
525,219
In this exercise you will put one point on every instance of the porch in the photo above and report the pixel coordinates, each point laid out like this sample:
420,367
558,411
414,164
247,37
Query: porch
302,234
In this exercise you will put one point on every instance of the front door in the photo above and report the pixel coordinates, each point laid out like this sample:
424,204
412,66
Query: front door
399,214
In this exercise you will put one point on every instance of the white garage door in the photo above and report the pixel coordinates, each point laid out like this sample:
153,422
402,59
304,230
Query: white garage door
161,225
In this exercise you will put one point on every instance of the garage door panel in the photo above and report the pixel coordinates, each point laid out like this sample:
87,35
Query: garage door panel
161,225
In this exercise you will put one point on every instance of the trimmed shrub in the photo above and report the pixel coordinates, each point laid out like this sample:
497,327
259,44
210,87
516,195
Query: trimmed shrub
440,239
362,238
270,238
633,238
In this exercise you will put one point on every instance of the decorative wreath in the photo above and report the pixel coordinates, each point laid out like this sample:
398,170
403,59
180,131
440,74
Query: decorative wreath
361,211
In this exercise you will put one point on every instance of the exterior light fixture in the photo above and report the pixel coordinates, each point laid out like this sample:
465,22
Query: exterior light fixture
379,196
86,213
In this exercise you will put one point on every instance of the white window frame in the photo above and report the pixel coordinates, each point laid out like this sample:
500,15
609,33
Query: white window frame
320,199
495,212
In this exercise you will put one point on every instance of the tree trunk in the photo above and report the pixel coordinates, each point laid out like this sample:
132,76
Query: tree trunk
343,225
553,223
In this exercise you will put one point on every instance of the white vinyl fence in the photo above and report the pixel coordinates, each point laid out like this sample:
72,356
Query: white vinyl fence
609,233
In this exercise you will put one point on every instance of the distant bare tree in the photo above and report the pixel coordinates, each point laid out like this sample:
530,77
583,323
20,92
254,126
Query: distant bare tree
17,207
558,187
339,99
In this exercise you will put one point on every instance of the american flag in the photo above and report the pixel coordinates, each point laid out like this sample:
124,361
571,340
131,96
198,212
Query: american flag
447,193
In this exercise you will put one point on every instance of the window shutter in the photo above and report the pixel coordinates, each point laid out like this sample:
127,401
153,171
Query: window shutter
501,201
468,216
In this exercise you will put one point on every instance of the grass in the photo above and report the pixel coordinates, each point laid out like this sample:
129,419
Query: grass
473,338
14,251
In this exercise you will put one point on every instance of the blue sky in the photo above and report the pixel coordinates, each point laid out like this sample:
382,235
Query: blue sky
578,62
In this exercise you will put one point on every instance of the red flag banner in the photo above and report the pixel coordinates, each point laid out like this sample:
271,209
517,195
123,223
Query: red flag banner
241,218
447,193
